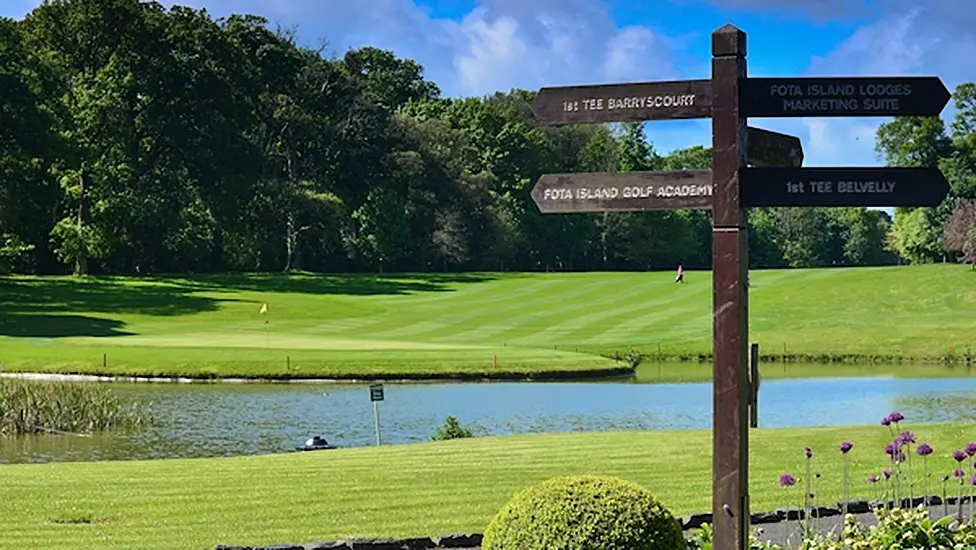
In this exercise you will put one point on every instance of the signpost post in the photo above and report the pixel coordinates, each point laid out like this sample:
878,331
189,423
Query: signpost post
375,396
730,297
751,167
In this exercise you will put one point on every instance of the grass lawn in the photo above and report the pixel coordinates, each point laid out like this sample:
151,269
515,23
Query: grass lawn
438,324
410,490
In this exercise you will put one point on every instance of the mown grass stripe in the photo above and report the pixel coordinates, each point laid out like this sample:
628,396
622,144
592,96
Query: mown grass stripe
330,324
422,489
494,322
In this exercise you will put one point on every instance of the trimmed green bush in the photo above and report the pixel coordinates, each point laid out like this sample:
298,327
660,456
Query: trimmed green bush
452,429
584,513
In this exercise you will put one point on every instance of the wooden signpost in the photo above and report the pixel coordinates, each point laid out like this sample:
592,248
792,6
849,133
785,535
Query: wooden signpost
751,167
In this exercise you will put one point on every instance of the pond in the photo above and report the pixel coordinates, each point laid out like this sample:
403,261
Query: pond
203,420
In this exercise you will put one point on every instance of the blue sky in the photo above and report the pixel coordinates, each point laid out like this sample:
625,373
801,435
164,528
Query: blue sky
475,47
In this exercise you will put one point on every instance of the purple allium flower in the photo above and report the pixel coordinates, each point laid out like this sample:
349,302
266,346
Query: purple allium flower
886,421
809,452
873,479
906,437
971,449
973,481
924,449
890,449
896,417
886,474
959,473
846,446
959,455
786,480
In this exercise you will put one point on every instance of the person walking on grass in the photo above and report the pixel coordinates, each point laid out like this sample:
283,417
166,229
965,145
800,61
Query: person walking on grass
681,274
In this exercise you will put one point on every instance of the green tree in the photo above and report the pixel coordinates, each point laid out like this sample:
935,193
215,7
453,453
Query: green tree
915,236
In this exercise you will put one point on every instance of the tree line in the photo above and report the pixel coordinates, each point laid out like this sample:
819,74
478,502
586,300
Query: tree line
137,139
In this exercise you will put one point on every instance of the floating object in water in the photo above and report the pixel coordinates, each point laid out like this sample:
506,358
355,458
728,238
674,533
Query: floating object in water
315,443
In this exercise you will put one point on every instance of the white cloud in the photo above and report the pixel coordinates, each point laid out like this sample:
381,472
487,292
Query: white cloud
933,38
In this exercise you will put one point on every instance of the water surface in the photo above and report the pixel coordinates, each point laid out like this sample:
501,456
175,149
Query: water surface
203,420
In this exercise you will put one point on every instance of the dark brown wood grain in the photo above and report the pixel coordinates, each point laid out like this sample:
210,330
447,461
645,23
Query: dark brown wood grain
633,101
730,298
844,186
769,148
871,96
623,191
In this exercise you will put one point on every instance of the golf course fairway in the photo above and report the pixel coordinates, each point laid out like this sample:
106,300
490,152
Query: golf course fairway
434,325
424,489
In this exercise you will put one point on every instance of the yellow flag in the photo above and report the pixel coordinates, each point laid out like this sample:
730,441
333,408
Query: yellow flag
264,308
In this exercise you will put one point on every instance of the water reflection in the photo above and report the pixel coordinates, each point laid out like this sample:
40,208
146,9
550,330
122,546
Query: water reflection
224,420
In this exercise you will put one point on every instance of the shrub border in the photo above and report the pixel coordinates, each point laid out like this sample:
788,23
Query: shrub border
693,521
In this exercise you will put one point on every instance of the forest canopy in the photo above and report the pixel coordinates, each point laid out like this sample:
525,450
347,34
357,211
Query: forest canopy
137,139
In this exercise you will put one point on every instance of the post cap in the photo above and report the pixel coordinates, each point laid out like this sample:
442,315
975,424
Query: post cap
729,40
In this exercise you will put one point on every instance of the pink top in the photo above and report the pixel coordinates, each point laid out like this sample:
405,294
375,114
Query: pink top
681,270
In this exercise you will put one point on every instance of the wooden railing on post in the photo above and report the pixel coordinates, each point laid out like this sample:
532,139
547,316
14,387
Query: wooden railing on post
754,385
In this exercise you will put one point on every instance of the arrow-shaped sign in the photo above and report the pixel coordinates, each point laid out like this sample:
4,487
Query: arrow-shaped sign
844,96
623,191
769,148
678,99
842,187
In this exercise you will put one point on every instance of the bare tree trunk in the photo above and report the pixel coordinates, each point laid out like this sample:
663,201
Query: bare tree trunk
81,262
291,239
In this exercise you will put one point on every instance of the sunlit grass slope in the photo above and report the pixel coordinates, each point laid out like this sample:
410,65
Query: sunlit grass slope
409,490
438,324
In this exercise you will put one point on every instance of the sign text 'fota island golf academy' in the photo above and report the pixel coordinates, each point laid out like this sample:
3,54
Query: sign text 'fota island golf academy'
623,191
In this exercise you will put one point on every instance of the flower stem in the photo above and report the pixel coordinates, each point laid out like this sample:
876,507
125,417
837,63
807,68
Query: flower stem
806,500
959,502
945,499
846,483
927,474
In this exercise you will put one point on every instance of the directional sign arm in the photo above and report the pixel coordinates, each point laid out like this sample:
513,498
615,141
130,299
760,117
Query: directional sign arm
623,191
871,96
768,148
677,99
828,187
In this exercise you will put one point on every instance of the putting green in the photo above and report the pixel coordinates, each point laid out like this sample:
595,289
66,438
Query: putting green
430,325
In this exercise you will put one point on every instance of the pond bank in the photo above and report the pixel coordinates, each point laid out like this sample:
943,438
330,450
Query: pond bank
610,373
594,375
967,357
